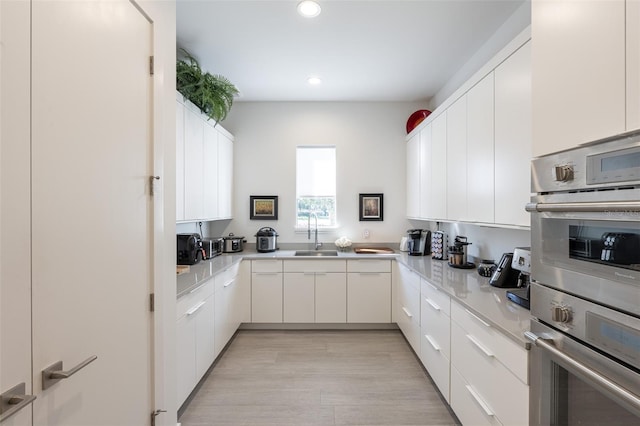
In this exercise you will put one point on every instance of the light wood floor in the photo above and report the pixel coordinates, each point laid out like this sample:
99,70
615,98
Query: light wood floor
317,378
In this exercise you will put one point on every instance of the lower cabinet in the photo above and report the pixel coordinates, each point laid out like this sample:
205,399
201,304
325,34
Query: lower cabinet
407,304
230,301
368,291
331,297
266,291
486,366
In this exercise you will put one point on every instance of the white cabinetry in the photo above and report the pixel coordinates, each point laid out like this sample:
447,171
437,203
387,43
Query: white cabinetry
315,291
579,72
485,363
513,138
425,197
368,291
633,64
266,291
480,151
438,208
204,166
195,337
413,176
407,307
435,340
457,160
231,301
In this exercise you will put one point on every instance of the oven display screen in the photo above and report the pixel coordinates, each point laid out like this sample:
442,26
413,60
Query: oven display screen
617,339
620,162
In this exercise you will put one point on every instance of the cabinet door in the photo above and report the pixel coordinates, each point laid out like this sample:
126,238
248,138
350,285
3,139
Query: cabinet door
438,206
331,297
513,138
185,356
578,72
457,160
480,161
633,64
205,342
225,176
426,195
368,297
210,172
299,295
413,176
193,173
266,297
179,160
220,316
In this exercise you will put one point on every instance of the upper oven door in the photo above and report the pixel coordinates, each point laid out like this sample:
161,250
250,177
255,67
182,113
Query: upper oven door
589,247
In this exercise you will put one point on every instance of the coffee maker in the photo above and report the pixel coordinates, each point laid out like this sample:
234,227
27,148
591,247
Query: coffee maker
419,242
521,262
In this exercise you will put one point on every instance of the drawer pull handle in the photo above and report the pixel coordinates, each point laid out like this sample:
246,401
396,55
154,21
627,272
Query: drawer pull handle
197,288
480,346
480,402
54,373
432,303
195,308
480,320
406,312
229,283
14,400
266,273
432,342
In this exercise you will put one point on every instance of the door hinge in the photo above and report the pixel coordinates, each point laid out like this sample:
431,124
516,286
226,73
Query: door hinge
151,65
154,414
152,302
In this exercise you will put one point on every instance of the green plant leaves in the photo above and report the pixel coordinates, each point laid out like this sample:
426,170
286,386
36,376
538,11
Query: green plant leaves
212,94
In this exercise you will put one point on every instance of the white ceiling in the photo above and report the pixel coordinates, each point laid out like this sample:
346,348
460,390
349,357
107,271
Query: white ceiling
364,50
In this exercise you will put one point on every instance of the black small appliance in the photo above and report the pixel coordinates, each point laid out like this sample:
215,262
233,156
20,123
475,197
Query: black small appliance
505,276
419,242
189,248
521,262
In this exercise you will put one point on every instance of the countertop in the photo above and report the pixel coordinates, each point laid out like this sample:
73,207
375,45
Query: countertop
465,286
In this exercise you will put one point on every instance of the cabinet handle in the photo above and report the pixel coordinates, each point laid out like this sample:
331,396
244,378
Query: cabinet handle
480,320
266,273
229,283
480,346
432,342
197,288
480,402
431,285
369,273
54,373
406,312
432,303
195,308
13,401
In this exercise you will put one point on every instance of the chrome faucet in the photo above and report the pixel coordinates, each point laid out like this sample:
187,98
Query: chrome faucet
317,244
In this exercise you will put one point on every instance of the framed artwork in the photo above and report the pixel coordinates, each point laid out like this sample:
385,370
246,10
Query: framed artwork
263,207
371,206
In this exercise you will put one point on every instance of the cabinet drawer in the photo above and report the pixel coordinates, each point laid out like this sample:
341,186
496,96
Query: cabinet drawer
197,295
436,362
435,297
437,325
267,265
489,378
315,266
509,353
227,276
411,330
468,404
368,265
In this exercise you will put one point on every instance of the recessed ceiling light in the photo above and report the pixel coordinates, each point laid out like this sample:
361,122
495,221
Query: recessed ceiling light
309,8
314,81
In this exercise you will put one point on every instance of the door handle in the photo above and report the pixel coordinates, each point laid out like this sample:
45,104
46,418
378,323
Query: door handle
54,373
13,401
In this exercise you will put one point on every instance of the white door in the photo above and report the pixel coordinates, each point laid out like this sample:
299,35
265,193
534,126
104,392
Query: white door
91,211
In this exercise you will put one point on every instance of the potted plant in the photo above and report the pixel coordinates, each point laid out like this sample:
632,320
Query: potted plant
212,94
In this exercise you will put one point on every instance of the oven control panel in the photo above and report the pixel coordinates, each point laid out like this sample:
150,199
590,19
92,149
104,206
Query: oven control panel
562,314
563,172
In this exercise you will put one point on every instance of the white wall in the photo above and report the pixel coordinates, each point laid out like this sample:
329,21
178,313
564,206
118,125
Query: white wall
370,142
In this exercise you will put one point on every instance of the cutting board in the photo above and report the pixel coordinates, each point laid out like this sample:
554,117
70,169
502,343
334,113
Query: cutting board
181,269
373,250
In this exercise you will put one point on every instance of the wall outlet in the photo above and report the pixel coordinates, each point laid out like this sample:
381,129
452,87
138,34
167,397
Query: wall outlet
365,234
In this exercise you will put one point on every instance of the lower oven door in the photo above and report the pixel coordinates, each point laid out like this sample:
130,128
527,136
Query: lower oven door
571,384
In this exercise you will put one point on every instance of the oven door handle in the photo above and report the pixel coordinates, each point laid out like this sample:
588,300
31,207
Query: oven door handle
593,207
616,390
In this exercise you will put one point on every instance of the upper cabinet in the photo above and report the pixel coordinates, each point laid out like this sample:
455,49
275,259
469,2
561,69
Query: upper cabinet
586,75
204,166
475,150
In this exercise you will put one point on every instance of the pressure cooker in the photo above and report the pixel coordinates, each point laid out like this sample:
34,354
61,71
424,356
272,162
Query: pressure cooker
266,240
232,244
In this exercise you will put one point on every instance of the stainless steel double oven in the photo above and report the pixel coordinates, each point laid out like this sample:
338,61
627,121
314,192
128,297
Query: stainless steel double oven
585,291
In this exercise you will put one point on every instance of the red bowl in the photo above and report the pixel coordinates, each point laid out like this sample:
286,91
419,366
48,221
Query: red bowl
416,118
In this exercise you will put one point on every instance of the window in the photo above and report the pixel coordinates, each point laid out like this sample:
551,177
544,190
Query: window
316,185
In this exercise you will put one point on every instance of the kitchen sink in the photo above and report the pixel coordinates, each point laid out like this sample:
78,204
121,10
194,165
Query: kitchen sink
316,253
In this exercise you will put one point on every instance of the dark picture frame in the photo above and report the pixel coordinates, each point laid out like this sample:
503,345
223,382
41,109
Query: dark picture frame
371,207
263,207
